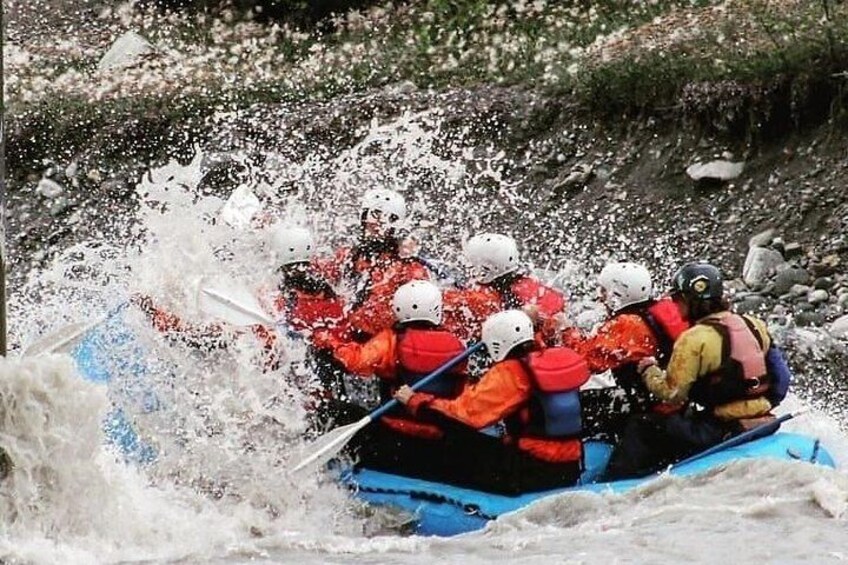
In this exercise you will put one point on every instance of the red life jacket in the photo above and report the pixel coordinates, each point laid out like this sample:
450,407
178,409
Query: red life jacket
305,311
664,318
530,290
419,353
422,351
557,374
743,374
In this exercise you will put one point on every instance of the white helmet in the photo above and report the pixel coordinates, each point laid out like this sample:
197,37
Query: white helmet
418,301
505,330
625,284
388,202
492,255
292,245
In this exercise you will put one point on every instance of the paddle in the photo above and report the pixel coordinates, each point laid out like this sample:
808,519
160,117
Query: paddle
247,309
67,334
327,446
754,433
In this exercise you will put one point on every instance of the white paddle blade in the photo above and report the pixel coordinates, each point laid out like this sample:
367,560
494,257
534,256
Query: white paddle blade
55,341
236,306
328,446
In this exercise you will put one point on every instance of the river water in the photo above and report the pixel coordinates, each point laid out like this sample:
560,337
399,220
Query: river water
224,428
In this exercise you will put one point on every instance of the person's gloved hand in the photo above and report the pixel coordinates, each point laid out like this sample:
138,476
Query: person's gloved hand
324,339
403,394
144,303
645,363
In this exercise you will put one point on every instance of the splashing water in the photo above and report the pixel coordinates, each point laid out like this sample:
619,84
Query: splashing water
223,425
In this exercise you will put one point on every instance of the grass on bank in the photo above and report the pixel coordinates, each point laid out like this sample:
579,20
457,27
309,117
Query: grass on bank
727,63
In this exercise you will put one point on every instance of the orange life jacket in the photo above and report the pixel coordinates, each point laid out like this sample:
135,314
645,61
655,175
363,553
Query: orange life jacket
310,311
665,320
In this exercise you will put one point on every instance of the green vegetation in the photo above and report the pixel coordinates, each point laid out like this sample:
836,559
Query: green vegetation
737,66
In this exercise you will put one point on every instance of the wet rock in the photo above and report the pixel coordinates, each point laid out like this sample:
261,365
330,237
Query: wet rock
58,207
804,319
751,304
792,249
804,307
826,266
760,264
787,278
403,88
49,188
715,170
800,290
127,51
824,283
762,239
839,327
818,296
579,175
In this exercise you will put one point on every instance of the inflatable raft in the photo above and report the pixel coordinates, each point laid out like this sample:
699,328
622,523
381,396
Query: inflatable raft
112,354
445,510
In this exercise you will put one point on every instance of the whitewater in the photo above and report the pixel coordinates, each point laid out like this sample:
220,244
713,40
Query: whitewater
224,429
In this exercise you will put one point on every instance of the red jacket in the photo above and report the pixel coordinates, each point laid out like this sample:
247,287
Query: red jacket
465,310
375,280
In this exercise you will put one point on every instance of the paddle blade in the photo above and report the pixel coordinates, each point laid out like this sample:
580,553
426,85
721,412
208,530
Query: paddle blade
55,341
327,446
234,304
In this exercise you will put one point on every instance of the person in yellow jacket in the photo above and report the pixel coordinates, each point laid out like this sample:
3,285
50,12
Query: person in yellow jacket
717,367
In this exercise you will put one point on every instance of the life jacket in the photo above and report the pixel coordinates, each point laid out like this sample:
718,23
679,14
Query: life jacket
530,290
743,374
422,351
305,310
379,278
664,318
557,373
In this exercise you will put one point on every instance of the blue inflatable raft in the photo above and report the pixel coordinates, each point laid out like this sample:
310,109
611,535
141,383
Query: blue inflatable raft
445,510
111,354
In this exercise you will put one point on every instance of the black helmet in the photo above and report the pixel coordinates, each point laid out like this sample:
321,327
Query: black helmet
698,281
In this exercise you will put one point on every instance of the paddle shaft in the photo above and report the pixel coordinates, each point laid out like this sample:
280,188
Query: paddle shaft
428,379
761,430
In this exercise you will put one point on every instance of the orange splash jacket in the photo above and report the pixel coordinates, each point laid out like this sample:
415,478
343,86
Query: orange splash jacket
536,396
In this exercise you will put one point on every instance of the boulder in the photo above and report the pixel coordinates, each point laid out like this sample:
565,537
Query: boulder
49,188
715,170
809,319
839,327
787,278
125,52
751,304
762,239
760,264
817,296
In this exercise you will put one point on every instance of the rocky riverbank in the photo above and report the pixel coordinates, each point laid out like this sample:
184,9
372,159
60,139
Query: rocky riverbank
602,148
